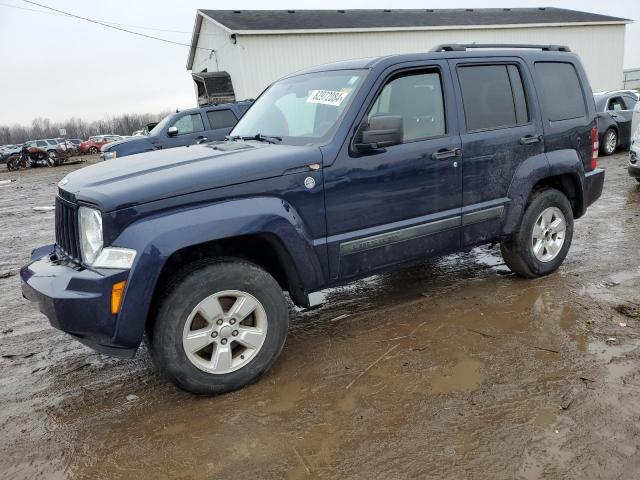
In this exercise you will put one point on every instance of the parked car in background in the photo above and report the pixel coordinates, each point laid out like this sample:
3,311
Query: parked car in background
634,149
93,144
615,110
187,127
48,145
335,173
7,150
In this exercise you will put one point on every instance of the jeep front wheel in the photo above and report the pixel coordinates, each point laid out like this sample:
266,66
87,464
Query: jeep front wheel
542,241
220,326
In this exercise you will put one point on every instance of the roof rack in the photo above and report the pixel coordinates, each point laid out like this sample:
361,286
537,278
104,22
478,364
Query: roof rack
457,47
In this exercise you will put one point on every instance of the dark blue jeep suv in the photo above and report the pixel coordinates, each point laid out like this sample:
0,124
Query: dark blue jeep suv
333,174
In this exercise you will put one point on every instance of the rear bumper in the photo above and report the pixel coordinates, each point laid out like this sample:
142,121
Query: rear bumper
75,300
593,184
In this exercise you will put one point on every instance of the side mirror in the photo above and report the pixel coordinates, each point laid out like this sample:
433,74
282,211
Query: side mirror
382,131
172,131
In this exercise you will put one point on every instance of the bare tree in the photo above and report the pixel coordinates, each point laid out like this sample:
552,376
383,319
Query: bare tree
77,128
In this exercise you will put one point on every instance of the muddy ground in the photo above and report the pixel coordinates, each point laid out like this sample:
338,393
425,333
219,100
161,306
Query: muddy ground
454,369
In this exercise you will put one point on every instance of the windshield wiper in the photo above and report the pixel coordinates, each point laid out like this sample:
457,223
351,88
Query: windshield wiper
258,137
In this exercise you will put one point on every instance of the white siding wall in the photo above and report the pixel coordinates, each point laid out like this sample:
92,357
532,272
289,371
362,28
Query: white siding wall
257,60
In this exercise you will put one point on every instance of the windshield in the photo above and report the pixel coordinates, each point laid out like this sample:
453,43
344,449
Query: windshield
302,109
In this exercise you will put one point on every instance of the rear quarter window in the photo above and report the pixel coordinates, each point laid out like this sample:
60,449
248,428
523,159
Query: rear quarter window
561,91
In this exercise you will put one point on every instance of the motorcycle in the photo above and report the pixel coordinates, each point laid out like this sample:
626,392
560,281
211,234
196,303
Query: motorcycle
30,157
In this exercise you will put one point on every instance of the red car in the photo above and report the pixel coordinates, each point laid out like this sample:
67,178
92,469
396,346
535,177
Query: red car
94,143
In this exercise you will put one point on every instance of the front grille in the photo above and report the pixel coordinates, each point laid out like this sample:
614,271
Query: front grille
67,238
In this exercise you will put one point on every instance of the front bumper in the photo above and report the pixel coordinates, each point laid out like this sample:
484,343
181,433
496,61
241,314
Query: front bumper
593,184
75,300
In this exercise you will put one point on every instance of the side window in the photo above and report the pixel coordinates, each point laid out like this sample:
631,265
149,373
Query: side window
493,96
221,119
189,124
616,104
630,102
418,99
561,91
41,143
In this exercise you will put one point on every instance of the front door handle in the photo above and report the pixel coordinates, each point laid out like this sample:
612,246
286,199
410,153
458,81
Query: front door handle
444,154
530,139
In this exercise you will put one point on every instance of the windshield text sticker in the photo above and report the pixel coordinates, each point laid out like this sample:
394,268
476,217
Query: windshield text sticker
327,97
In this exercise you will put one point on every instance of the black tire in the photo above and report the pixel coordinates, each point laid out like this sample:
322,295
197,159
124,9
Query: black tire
608,146
92,150
188,288
517,251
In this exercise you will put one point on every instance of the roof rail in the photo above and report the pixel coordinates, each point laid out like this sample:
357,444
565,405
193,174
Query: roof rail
457,47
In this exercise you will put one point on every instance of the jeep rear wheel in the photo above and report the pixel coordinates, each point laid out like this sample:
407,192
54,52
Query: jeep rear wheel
542,241
220,326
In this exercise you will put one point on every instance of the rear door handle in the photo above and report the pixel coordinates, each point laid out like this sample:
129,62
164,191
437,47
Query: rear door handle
530,139
444,154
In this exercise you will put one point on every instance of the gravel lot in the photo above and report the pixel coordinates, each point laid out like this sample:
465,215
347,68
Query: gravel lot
454,369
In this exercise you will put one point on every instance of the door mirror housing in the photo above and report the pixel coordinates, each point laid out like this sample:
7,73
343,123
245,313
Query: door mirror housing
382,131
172,131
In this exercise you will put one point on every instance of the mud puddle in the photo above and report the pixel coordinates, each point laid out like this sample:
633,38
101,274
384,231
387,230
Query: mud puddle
453,369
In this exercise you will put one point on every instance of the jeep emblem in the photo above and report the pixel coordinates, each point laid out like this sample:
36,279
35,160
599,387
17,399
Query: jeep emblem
309,182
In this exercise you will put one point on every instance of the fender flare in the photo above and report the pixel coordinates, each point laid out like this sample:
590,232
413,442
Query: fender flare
536,169
157,237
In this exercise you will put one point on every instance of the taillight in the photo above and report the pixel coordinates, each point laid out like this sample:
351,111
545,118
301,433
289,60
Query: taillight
595,146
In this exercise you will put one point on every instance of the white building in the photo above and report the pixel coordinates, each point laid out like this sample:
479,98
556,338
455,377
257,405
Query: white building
252,48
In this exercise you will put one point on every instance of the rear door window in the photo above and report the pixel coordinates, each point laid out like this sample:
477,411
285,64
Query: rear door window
630,102
221,119
561,91
493,96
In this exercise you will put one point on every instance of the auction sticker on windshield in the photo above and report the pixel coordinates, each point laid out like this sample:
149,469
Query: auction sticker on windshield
327,97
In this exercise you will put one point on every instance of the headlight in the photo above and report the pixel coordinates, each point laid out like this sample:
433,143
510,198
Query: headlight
113,257
90,221
109,155
91,243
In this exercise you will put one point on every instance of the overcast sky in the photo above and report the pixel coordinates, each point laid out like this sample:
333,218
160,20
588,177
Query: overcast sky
58,67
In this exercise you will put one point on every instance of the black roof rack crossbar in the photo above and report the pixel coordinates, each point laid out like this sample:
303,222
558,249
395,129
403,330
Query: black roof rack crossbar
457,47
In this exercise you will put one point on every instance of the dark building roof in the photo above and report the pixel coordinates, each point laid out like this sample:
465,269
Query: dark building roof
274,20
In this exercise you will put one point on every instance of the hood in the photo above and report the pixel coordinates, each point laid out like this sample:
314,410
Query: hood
129,145
160,174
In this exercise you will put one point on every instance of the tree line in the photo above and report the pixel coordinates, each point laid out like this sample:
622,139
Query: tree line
77,128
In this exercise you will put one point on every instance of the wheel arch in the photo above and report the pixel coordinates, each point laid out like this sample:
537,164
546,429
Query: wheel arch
264,231
560,169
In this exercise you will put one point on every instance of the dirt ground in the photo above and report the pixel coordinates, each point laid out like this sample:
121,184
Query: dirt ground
454,369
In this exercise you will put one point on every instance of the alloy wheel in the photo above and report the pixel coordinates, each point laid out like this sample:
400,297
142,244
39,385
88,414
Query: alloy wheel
549,232
225,331
611,141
